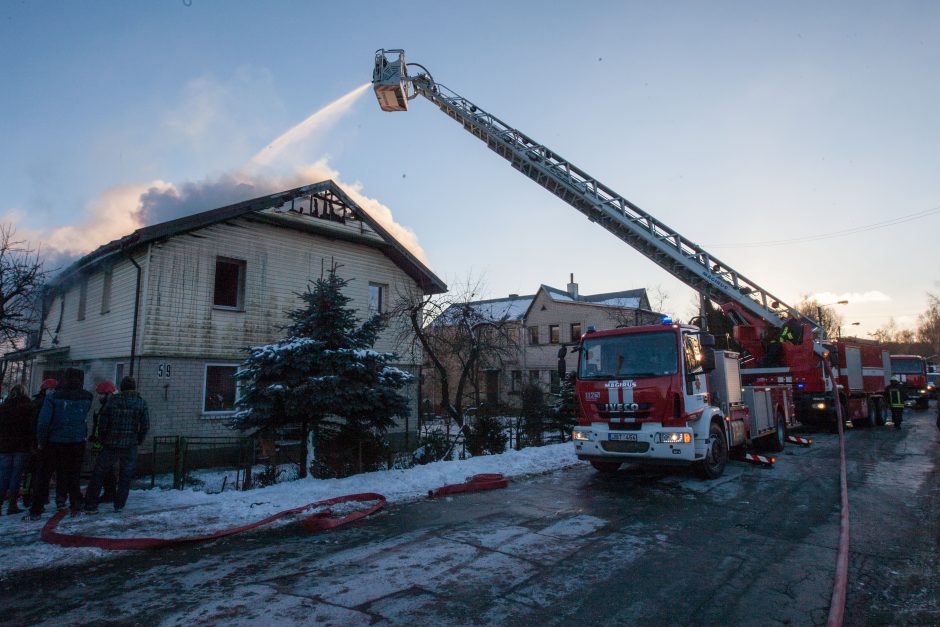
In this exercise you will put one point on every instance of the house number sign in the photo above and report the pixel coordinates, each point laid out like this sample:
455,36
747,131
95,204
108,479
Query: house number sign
163,371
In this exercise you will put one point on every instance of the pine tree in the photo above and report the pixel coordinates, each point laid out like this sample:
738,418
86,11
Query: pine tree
324,376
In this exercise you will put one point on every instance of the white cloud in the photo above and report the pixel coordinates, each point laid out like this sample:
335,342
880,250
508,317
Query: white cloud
872,296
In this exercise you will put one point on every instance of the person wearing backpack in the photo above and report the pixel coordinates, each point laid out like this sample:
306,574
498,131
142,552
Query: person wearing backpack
122,427
61,431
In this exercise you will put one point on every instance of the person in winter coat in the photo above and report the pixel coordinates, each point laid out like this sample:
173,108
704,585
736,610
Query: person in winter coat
16,443
29,477
61,431
123,425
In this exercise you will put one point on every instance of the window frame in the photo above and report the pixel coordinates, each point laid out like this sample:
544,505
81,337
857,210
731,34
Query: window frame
554,338
532,335
205,390
240,289
571,331
535,377
383,290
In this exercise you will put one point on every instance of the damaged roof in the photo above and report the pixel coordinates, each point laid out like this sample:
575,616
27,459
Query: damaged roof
326,196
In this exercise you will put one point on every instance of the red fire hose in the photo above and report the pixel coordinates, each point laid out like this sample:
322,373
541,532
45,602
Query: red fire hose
840,585
476,483
317,521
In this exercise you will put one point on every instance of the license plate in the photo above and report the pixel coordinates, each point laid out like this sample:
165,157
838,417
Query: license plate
622,437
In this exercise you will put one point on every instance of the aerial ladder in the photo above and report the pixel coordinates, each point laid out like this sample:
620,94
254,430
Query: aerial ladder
754,310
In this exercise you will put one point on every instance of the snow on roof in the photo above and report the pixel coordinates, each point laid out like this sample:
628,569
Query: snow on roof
632,299
510,308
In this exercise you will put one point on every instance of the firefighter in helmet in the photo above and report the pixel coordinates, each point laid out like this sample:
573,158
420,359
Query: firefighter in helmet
895,395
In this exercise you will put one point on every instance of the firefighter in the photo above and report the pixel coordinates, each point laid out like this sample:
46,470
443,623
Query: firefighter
104,390
895,394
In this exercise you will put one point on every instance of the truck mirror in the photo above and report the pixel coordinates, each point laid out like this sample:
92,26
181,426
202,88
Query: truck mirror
562,369
707,340
708,359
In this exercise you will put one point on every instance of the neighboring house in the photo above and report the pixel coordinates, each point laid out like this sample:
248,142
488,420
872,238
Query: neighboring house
176,304
539,325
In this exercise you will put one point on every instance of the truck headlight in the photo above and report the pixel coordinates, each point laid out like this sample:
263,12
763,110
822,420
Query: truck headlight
582,436
673,437
923,391
819,405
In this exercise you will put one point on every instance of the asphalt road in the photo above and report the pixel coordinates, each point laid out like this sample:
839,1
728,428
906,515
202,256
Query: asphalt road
757,546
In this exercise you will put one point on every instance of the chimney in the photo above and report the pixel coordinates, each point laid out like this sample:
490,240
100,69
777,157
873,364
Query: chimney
573,288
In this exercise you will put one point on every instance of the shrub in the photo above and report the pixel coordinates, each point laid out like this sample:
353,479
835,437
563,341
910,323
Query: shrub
486,437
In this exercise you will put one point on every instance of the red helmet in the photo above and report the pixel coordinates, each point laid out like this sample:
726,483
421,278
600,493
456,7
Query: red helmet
48,384
105,387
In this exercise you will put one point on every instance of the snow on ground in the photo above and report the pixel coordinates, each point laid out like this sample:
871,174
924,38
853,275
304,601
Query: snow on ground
160,512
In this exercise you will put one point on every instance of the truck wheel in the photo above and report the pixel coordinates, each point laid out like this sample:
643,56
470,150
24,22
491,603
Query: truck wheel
716,456
606,467
777,440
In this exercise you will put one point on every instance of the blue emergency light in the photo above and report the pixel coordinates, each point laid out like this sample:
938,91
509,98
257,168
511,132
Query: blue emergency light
667,320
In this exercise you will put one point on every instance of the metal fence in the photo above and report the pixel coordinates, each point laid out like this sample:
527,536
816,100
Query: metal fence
178,454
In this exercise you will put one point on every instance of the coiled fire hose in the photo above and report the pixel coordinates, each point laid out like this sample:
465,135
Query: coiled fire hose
320,520
317,521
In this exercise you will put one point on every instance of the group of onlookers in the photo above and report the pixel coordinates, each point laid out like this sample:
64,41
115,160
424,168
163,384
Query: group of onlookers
47,436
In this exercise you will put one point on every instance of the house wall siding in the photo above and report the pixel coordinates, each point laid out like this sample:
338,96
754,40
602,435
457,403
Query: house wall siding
279,263
99,335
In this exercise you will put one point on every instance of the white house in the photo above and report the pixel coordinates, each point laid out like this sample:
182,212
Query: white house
176,304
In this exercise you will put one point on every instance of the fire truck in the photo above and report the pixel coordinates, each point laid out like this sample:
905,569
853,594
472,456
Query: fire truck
911,371
656,393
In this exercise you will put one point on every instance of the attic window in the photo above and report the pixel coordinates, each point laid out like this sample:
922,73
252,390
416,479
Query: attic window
229,290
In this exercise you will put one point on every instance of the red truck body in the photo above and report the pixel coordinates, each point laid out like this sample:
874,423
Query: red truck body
861,367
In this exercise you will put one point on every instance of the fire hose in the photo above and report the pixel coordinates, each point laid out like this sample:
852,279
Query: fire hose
840,585
317,521
476,483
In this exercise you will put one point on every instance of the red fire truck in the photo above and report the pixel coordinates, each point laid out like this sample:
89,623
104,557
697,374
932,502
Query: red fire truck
690,409
911,371
660,394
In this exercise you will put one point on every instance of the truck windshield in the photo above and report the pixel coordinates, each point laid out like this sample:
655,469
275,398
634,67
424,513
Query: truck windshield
907,366
629,356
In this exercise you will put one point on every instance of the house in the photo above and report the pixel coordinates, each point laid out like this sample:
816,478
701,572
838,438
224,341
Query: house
536,326
176,304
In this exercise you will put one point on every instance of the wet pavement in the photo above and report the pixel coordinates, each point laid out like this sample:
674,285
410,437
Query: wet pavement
756,547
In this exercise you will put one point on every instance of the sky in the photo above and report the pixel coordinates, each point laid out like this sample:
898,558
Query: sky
795,141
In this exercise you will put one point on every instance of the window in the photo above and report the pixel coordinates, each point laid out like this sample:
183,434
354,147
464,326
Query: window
534,376
533,336
82,298
575,331
555,383
106,292
377,298
516,381
554,334
229,283
220,391
118,374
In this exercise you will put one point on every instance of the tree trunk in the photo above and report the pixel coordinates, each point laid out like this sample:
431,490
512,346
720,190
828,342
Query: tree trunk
304,430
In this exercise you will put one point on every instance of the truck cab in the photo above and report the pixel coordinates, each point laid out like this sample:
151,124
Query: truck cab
660,394
644,396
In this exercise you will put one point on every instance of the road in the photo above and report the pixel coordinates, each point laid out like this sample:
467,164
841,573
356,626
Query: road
756,547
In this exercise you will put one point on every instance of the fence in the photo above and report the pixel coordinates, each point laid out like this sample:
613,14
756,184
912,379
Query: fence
180,454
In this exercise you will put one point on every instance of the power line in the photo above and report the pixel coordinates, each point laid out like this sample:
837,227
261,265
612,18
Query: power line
832,234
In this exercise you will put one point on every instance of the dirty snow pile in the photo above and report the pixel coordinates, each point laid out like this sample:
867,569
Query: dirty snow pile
175,513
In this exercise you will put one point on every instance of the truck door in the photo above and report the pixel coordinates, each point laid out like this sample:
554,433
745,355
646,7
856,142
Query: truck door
695,388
